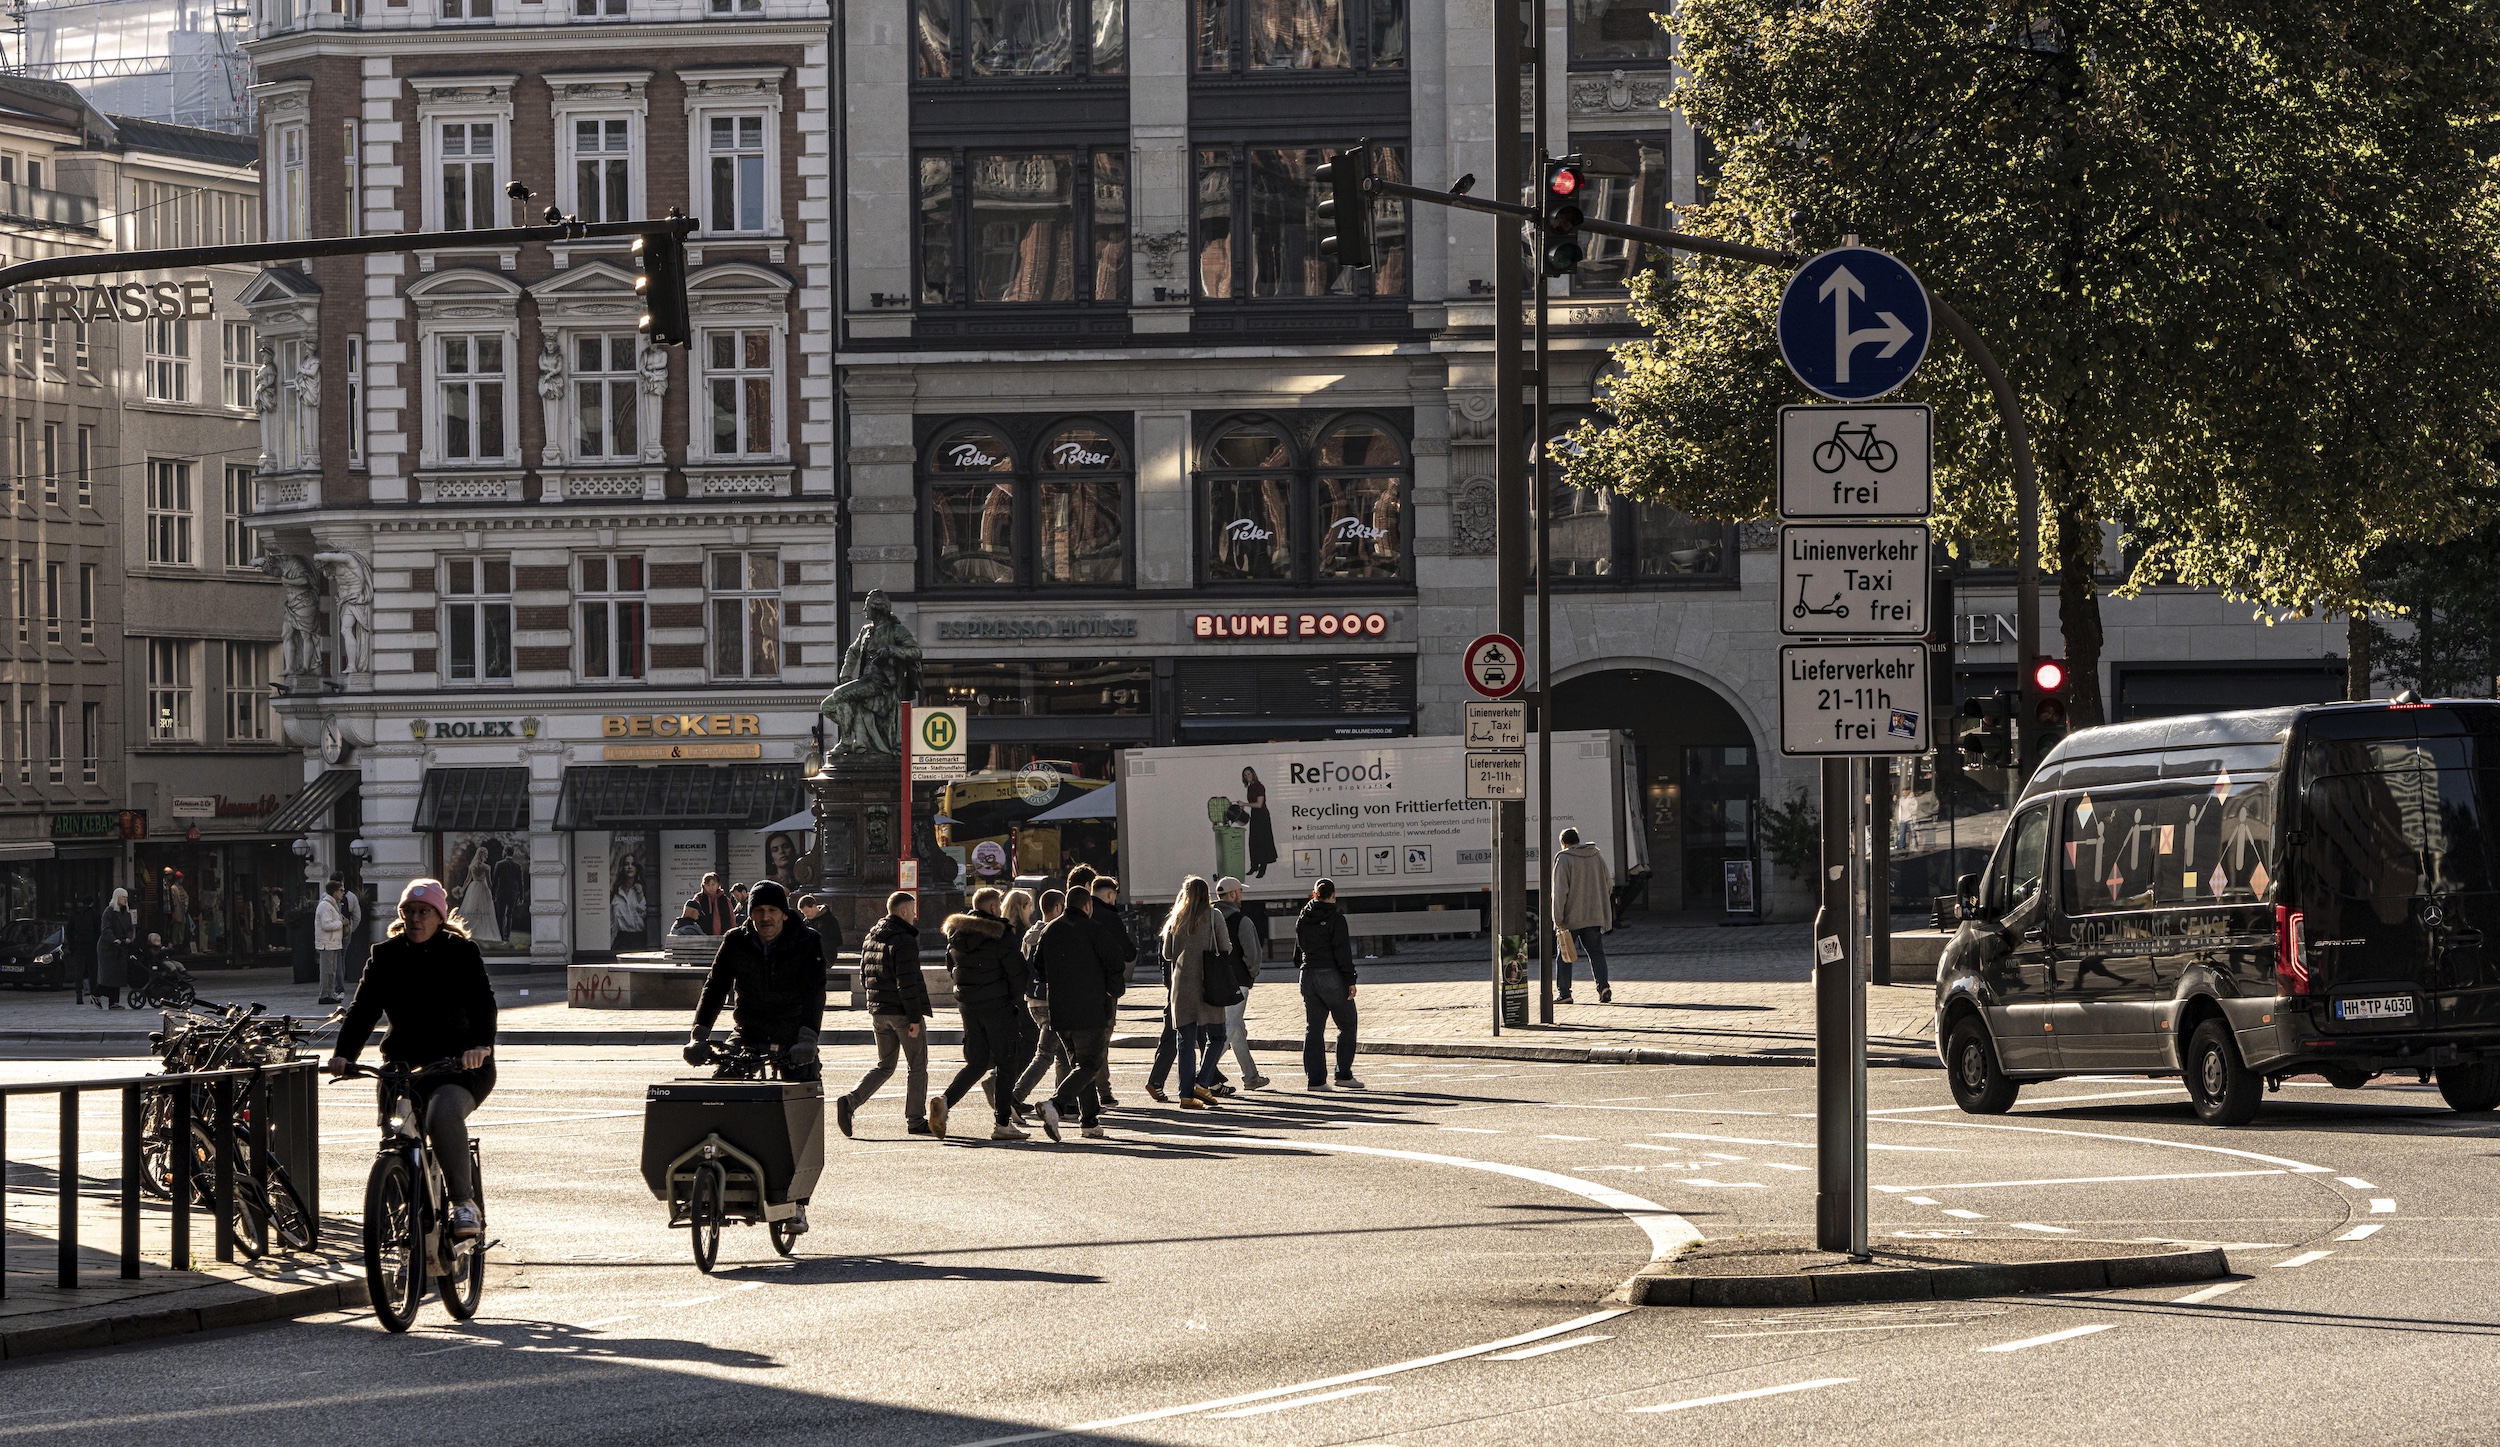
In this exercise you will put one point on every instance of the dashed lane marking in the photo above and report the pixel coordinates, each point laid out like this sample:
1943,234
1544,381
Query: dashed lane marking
2076,1181
2355,1182
1741,1140
2069,1334
2360,1233
1266,1407
1575,1139
1922,1200
1816,1385
2382,1205
2036,1226
2303,1259
2205,1294
1544,1347
2297,1167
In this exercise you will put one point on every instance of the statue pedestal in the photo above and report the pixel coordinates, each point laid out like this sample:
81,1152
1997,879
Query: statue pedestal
860,846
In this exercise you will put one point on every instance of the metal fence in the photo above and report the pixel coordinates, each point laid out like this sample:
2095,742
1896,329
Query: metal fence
262,1112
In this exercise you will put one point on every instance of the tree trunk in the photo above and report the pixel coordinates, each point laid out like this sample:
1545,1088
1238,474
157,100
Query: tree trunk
2079,608
2357,656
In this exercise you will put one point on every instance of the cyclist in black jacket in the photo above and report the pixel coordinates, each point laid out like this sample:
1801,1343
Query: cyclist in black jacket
430,979
778,968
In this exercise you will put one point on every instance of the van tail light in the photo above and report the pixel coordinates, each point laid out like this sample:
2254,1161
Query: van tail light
2291,949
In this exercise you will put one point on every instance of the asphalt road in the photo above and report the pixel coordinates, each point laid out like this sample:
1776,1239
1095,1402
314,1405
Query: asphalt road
1422,1264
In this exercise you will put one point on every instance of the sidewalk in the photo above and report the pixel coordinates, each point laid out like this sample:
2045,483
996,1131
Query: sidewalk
1683,992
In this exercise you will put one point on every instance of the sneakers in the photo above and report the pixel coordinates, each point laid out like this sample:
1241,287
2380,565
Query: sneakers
1565,1000
842,1114
1255,1082
937,1116
1155,1093
1009,1133
1096,1133
1348,1082
1108,1102
466,1223
1605,994
918,1127
1224,1089
1204,1097
1023,1116
327,1000
1050,1119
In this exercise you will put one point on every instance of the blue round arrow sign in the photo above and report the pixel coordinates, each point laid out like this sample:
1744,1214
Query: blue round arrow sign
1854,323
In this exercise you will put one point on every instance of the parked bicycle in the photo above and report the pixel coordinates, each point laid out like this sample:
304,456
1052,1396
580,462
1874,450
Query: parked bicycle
266,1202
408,1231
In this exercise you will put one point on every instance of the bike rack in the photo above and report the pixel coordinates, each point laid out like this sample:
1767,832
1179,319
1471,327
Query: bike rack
223,1096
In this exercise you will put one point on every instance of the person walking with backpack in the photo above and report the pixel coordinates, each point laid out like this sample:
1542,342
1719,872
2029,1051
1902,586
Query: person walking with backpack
988,970
1324,952
1581,906
898,1003
1248,949
1202,985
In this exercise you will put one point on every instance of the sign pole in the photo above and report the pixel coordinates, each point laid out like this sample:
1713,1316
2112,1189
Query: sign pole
1861,946
904,871
1510,488
1831,1017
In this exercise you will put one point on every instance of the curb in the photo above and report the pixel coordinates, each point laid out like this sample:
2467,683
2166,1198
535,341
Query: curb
144,1325
1940,1283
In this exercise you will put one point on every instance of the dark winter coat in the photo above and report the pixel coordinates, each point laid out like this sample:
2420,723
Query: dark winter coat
889,969
1322,941
982,957
717,913
1082,978
436,995
780,984
1111,936
112,949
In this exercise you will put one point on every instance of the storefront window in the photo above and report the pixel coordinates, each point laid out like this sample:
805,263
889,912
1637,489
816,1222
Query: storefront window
220,901
1048,688
1061,522
1270,519
1082,502
488,874
1609,31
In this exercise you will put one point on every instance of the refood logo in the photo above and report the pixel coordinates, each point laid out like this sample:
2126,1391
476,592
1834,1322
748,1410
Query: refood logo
1333,771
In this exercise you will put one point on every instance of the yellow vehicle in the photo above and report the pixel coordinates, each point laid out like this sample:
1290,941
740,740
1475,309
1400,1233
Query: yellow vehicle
992,808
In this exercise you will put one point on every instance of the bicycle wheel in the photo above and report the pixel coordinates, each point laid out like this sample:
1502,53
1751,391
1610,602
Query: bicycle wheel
1881,455
287,1216
785,1240
251,1218
467,1282
1830,456
394,1260
703,1215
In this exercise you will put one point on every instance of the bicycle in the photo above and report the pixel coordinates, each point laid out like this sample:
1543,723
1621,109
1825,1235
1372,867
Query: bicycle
265,1197
1835,452
739,1149
408,1208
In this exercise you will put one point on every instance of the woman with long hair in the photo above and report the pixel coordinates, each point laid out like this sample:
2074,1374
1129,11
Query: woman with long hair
1262,827
1190,939
629,909
477,904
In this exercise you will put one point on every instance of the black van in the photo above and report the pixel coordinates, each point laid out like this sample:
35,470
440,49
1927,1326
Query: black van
2237,898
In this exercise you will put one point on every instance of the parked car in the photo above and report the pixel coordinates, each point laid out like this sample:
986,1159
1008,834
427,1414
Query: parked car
33,955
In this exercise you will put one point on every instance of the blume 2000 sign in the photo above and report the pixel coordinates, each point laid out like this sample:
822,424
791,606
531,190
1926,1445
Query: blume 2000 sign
1289,625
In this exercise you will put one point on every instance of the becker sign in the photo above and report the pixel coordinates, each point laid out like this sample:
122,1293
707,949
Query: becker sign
129,301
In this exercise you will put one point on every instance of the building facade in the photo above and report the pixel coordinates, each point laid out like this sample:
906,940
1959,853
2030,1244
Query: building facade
559,603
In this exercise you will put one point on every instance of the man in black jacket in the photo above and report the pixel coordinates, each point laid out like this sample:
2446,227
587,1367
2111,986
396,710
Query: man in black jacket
898,1004
1119,951
777,967
1082,983
1324,952
987,964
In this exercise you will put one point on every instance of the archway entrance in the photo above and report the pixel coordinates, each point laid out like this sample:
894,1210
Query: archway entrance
1700,774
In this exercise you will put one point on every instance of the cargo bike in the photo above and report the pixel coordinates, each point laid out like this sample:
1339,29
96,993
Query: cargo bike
742,1148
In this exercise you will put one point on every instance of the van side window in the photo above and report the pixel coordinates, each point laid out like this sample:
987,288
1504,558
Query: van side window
2184,842
2028,861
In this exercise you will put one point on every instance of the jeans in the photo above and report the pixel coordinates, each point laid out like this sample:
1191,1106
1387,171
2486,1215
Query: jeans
1165,1049
991,1039
1238,1029
891,1040
1202,1051
1318,1008
1088,1049
1592,941
333,972
446,1118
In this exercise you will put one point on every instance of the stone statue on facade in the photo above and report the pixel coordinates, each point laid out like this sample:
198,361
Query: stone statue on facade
307,385
265,402
302,611
551,400
655,387
880,670
351,589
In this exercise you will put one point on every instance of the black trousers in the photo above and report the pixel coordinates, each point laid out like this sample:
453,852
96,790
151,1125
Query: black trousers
991,1042
1318,1008
1089,1050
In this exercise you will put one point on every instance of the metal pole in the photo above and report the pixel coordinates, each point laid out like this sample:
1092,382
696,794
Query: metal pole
221,1137
1861,948
1879,869
1831,1017
133,1163
1510,489
68,1178
1542,503
4,1197
179,1173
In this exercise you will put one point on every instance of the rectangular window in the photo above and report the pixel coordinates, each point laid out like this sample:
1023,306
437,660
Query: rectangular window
56,743
602,161
169,513
1291,35
605,388
247,692
735,145
468,9
352,175
1627,183
598,10
26,743
746,615
52,463
90,740
87,576
740,371
477,619
290,202
25,599
169,691
238,518
1282,200
355,399
1610,32
1108,242
80,355
1023,225
86,466
937,229
1018,38
235,364
737,7
614,616
52,602
50,348
473,394
468,171
168,359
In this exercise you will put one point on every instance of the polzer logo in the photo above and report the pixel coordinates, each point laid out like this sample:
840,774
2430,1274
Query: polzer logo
937,732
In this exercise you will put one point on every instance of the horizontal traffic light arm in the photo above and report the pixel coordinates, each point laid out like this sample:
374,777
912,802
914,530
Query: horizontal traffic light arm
102,263
1679,240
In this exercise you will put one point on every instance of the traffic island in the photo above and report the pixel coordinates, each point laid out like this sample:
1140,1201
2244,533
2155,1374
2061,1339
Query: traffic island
1793,1271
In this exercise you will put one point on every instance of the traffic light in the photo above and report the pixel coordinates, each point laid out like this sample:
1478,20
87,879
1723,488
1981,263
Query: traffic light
1346,215
1564,181
1986,735
660,285
2048,692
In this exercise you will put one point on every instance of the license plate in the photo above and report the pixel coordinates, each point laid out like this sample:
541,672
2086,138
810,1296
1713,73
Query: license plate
12,969
2374,1007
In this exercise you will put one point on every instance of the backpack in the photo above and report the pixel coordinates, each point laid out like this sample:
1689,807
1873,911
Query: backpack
1220,970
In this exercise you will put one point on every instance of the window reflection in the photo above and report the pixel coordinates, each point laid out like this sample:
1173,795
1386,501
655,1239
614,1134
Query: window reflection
1110,37
1581,540
1268,520
1017,37
1062,521
933,26
972,521
1023,226
1627,178
1296,35
1285,226
1668,544
1618,30
1110,237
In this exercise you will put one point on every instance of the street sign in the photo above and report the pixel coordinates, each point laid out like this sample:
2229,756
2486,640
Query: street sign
1502,775
1854,580
1498,724
1496,665
1857,462
939,742
1854,323
1853,698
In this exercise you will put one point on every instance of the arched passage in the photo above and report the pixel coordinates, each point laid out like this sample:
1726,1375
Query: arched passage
1700,771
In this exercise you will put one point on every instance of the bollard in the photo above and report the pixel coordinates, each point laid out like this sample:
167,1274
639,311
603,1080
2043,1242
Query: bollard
221,1145
178,1174
133,1164
67,1176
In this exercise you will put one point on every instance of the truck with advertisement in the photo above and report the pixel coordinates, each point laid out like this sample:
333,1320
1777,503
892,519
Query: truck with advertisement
1381,817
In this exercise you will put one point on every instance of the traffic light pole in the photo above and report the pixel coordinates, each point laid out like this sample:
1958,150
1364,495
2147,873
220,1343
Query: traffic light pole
1542,500
1510,488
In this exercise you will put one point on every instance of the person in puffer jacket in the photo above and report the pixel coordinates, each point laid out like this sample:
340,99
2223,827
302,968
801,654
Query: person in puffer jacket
898,1006
987,963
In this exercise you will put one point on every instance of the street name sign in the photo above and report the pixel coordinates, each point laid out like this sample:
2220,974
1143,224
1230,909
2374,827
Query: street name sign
1854,580
1854,323
939,742
1496,665
1497,724
1497,775
1853,698
1848,463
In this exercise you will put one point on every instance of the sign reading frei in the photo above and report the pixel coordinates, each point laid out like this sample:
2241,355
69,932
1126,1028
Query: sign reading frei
1853,698
1856,462
1853,323
1854,580
1497,724
940,742
1501,774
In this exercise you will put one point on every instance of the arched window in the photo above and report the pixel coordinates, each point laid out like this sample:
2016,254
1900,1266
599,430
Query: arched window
1061,521
1335,515
1360,492
1249,507
1081,503
971,491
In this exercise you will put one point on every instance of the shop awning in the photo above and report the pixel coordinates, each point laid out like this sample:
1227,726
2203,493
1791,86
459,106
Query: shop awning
475,801
310,810
678,796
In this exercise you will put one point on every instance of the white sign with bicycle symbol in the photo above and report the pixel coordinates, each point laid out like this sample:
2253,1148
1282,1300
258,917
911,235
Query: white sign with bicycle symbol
1860,461
1854,580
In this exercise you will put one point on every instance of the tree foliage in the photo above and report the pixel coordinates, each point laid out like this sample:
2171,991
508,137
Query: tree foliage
2241,260
2448,642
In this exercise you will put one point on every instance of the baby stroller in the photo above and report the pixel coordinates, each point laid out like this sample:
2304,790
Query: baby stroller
158,979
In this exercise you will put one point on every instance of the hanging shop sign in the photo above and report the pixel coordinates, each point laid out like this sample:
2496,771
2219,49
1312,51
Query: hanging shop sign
128,301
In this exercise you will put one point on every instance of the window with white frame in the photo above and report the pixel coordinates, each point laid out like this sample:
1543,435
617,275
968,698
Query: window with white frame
477,620
238,516
468,171
52,602
738,374
737,7
52,463
603,167
598,10
56,742
235,367
26,742
614,616
468,9
352,175
90,740
737,150
470,374
355,399
86,466
168,359
606,390
88,574
170,666
81,355
25,569
169,513
247,692
50,349
291,443
289,200
746,614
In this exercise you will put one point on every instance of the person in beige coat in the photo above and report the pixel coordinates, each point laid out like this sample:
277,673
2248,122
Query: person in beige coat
1191,935
1581,905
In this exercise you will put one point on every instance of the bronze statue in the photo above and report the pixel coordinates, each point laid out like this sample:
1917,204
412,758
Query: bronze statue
880,670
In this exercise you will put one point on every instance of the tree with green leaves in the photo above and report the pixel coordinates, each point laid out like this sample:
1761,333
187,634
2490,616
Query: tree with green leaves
2241,261
2448,640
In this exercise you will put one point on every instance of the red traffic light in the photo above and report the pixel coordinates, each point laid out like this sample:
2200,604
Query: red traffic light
2048,676
1564,180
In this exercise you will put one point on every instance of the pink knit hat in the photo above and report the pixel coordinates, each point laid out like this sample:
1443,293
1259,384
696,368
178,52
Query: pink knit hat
429,892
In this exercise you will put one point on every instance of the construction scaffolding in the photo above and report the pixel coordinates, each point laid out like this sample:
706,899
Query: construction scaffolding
179,61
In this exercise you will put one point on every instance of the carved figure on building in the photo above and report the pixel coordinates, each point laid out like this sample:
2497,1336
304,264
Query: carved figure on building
307,385
351,591
265,383
302,611
551,399
654,386
880,670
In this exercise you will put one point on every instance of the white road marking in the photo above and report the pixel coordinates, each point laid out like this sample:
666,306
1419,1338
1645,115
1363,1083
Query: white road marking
2382,1205
1739,1140
748,1286
1470,1130
2069,1334
2303,1259
1784,1166
362,1398
1826,1330
1726,1185
2078,1181
2043,1100
1577,1139
1815,1385
2298,1167
457,1347
2036,1226
2355,1182
1924,1201
2205,1294
1543,1347
690,1301
1722,1156
1264,1409
2360,1233
1963,1215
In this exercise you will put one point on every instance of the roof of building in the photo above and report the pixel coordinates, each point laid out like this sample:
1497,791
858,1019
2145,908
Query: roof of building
193,142
60,104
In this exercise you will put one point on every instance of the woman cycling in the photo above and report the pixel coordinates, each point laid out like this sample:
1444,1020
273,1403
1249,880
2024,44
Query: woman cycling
431,981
